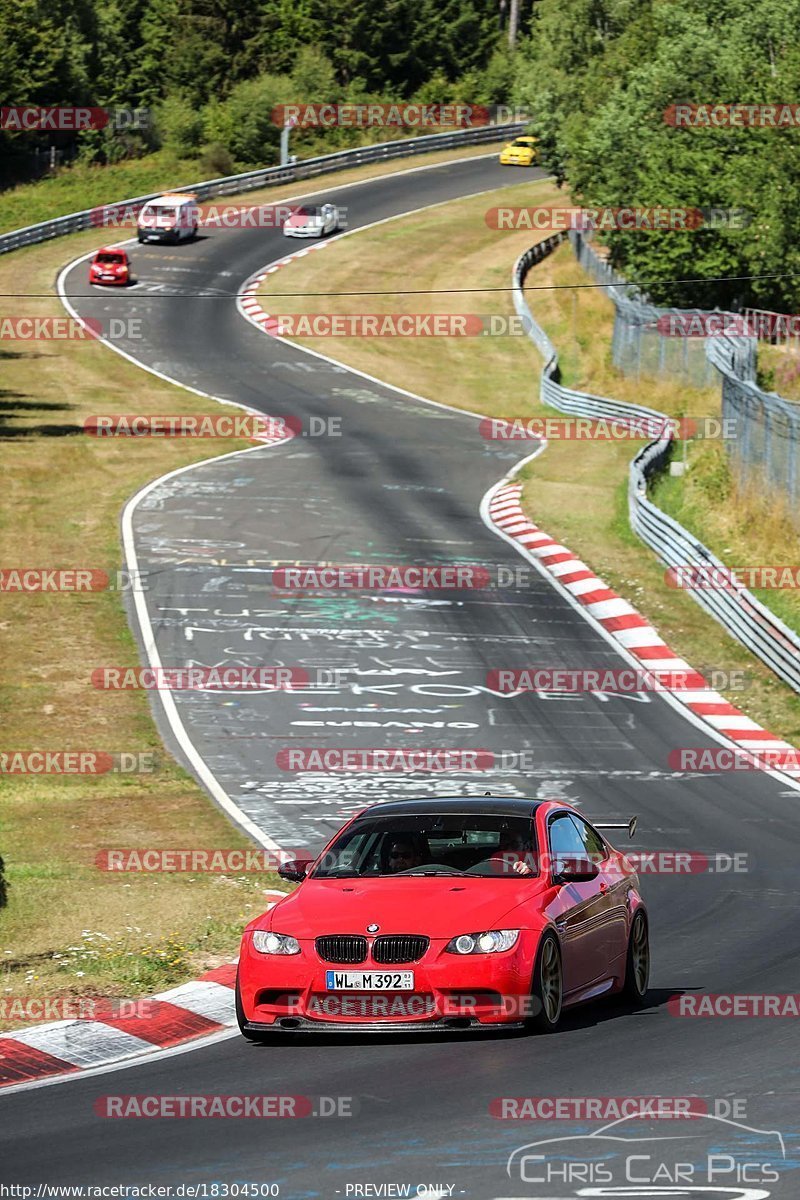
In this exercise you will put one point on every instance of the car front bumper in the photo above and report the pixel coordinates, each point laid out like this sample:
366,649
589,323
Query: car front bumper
289,993
300,1025
159,235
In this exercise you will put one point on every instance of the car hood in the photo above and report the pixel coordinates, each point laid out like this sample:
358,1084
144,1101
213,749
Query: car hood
438,907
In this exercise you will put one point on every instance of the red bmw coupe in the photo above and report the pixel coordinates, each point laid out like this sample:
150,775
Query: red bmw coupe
447,914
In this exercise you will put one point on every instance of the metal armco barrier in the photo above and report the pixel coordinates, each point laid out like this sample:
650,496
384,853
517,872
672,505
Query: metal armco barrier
737,609
231,185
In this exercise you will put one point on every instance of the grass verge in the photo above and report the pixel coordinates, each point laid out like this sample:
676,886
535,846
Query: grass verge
80,187
779,369
70,928
577,491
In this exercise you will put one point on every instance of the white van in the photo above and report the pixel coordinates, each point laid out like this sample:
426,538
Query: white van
172,217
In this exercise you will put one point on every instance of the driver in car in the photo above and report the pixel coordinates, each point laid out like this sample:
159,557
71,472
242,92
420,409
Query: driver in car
403,855
513,854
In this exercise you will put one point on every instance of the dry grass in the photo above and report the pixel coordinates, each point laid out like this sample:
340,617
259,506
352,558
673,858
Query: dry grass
744,526
60,506
779,368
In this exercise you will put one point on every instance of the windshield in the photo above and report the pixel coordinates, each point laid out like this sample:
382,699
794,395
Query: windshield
524,142
465,844
306,211
109,258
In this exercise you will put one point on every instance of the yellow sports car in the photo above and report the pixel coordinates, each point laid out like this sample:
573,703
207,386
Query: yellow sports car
522,152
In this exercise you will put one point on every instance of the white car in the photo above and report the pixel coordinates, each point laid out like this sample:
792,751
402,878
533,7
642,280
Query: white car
312,220
173,217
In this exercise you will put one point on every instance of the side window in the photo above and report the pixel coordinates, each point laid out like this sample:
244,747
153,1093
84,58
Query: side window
594,846
566,843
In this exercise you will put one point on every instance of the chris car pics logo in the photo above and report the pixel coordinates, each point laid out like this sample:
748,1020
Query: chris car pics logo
637,1156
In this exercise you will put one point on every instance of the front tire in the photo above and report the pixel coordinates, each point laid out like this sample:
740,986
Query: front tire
548,986
637,961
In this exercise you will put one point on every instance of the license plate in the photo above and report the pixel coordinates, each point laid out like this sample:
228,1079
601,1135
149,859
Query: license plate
369,981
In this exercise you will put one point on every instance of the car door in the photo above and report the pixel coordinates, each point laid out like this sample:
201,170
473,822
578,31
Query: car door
579,910
614,886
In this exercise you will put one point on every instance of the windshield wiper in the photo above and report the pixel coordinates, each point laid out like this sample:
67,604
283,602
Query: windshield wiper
418,871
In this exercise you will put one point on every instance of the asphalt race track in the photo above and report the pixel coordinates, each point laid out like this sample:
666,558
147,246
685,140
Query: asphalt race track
403,483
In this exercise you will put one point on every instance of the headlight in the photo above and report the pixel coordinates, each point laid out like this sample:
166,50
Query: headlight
483,943
275,943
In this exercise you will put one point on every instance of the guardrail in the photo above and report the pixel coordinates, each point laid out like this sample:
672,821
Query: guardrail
737,609
230,185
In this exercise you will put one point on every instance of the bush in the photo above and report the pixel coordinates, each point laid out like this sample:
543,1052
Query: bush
216,160
243,123
179,126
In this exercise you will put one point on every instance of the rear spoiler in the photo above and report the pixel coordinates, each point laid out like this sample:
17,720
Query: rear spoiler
629,825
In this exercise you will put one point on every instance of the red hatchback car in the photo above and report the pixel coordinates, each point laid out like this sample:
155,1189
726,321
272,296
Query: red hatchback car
110,267
455,913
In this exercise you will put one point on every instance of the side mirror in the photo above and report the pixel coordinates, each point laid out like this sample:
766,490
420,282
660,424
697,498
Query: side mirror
576,870
295,869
